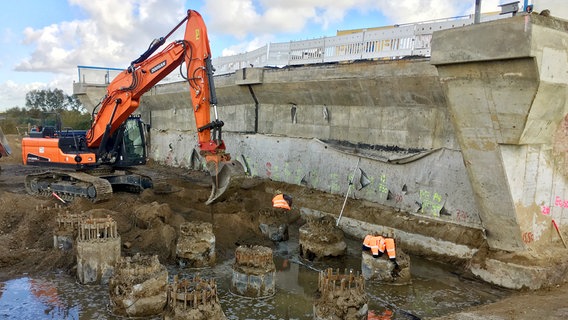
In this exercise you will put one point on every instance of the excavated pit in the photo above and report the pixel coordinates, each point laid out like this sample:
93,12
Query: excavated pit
149,224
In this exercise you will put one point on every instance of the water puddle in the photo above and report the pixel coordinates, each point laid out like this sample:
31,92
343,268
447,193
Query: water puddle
434,291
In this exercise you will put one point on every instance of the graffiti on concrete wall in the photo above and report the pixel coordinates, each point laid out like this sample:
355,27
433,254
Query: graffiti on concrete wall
398,197
528,237
383,184
558,202
431,203
461,216
268,166
545,210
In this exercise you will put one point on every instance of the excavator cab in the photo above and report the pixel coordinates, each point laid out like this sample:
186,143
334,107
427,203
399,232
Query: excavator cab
130,141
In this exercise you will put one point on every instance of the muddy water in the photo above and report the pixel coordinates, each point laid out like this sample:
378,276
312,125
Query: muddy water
435,290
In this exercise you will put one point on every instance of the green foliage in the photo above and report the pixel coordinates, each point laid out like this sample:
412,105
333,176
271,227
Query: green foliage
51,100
73,115
76,119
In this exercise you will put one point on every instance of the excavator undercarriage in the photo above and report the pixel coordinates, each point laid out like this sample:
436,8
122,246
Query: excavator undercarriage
69,185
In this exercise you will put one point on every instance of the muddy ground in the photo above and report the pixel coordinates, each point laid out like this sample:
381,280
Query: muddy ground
148,223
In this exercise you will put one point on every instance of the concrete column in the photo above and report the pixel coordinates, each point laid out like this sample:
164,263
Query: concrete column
505,82
98,250
254,272
196,245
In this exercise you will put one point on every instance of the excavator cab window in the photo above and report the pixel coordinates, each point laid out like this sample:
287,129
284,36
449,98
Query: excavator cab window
133,151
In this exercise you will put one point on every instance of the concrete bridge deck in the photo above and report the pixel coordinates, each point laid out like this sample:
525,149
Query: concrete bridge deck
473,138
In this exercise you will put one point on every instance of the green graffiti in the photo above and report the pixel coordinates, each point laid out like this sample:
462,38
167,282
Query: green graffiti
275,174
334,186
253,169
314,179
431,203
383,184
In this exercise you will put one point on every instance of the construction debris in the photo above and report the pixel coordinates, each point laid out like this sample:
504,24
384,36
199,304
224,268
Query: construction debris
193,299
254,272
98,250
196,244
341,296
321,238
138,287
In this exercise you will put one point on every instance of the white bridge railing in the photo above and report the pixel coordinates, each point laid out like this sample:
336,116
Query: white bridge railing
391,42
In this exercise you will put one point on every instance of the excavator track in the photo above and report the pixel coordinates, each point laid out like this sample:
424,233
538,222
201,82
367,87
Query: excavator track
68,185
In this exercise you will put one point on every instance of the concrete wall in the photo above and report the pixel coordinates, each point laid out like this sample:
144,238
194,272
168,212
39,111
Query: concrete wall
392,115
492,158
475,138
506,87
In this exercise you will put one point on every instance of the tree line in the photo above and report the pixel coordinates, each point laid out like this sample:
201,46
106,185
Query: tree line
16,120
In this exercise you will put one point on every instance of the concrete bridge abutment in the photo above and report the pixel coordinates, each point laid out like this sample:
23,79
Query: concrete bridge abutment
467,149
506,87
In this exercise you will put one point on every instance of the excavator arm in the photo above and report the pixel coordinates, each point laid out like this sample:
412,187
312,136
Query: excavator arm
124,93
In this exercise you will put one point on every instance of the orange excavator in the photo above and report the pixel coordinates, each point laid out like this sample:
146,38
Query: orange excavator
92,163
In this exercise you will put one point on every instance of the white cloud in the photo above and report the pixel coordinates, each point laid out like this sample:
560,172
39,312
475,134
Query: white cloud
11,93
113,36
247,46
243,20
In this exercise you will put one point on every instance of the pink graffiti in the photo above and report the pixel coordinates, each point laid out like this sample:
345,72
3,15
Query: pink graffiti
528,237
398,198
461,216
268,169
559,202
545,210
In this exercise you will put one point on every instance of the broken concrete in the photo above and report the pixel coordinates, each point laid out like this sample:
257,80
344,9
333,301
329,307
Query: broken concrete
341,296
382,269
320,238
196,245
194,299
67,228
98,250
138,287
273,223
254,272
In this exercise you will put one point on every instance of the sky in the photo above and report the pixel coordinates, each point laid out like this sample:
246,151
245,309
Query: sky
43,41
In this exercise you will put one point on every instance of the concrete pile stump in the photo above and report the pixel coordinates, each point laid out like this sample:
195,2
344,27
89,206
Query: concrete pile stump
139,287
67,228
193,299
196,245
273,223
341,296
382,269
320,238
98,250
254,272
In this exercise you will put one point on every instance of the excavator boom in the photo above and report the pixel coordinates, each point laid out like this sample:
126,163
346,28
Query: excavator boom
106,141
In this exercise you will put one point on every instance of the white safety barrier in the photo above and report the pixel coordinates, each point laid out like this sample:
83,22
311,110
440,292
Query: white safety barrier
386,43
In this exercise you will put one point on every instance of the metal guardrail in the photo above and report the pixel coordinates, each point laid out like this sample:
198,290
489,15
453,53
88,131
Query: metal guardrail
392,42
